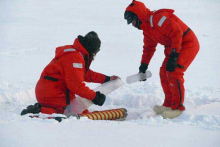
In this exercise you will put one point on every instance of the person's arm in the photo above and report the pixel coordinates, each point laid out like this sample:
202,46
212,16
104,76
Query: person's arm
171,29
96,77
148,49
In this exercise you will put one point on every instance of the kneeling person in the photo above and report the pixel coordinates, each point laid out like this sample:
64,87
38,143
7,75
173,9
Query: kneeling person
64,76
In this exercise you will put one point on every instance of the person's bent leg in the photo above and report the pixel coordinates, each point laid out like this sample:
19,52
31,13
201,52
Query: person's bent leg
176,83
165,86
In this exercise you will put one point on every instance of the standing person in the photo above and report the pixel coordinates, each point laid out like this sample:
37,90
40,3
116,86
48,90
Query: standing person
181,47
65,75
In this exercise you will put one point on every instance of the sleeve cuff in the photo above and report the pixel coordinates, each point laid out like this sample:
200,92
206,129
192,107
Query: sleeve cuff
107,78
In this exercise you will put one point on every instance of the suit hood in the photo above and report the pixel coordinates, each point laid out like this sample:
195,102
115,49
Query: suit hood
140,10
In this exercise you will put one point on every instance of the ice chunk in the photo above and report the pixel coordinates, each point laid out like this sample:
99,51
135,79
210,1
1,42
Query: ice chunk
79,104
138,77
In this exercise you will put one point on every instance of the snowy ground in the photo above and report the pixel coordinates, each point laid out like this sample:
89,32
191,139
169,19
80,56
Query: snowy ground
32,29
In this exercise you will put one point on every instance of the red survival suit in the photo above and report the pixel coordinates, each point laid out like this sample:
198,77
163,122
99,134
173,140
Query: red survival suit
164,27
64,77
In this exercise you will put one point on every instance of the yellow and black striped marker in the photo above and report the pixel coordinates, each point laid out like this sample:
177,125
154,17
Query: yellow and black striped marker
113,114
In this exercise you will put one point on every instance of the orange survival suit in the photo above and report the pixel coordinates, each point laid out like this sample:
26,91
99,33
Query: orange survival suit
64,77
164,27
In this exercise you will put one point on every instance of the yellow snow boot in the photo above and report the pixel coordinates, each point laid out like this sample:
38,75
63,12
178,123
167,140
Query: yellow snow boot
171,114
160,109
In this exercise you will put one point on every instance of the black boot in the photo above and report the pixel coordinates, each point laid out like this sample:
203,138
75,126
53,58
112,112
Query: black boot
34,109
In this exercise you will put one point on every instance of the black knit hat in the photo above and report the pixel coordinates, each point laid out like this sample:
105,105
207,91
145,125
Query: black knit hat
90,42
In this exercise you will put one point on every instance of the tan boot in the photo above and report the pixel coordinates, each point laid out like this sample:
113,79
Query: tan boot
160,109
171,114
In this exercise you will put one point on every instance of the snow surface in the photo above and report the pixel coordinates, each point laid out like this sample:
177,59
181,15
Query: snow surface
32,29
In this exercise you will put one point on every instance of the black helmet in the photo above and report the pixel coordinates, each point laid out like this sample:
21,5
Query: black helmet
90,42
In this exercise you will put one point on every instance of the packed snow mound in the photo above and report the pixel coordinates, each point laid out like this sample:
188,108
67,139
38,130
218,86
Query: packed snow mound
139,99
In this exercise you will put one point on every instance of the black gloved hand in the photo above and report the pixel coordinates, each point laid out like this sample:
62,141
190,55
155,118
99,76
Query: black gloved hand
172,61
143,67
107,78
99,99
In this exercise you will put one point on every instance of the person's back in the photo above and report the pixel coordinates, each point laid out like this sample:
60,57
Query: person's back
52,85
